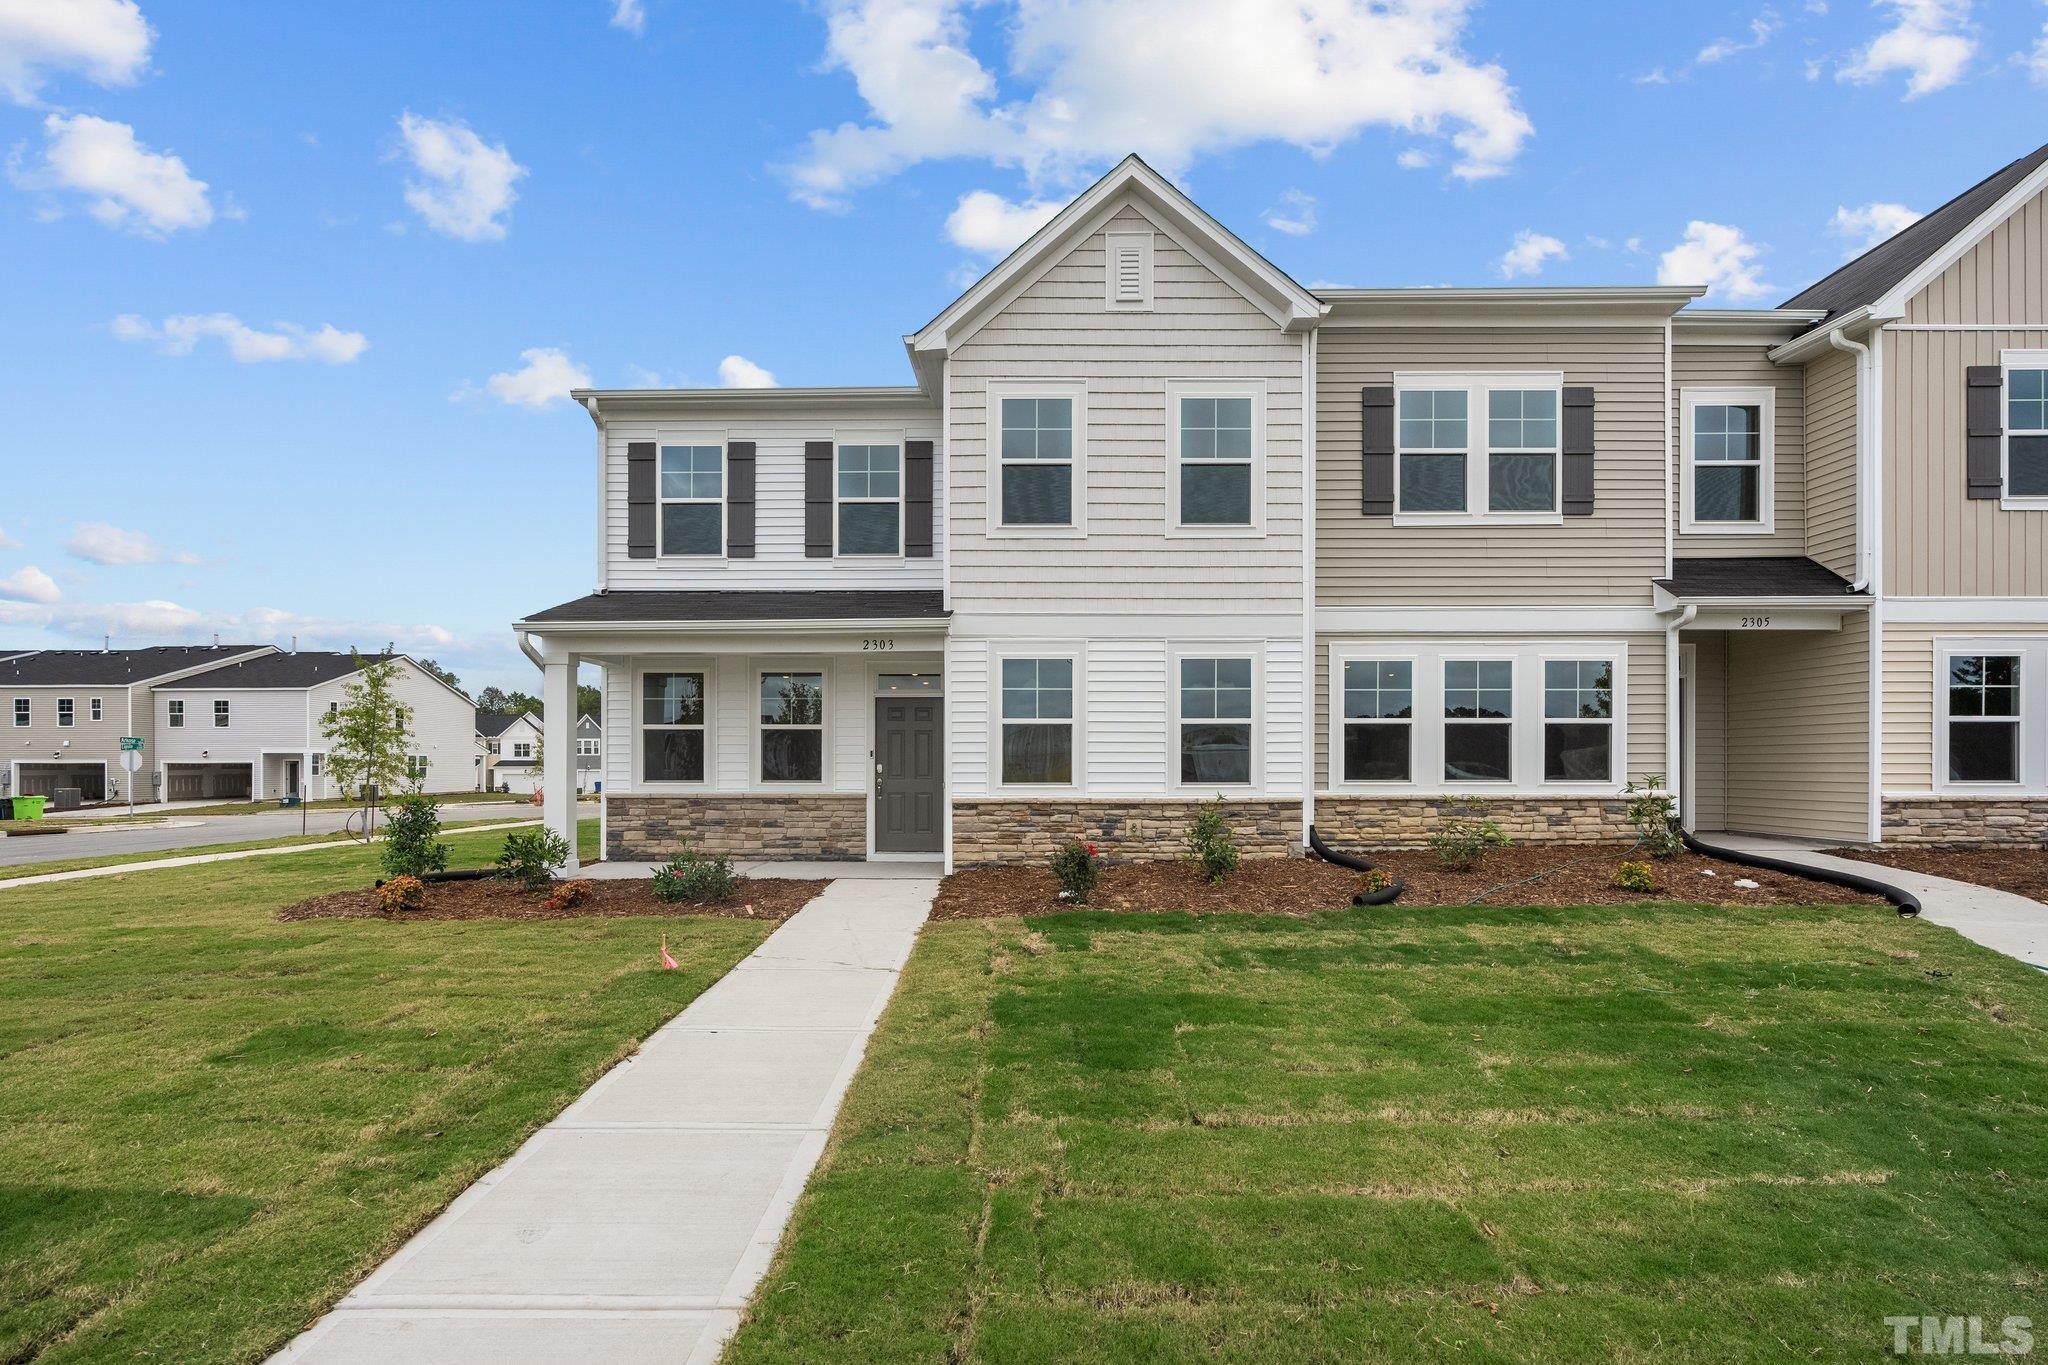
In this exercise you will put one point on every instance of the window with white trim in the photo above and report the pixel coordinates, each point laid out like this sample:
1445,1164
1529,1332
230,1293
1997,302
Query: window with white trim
220,714
174,712
1215,473
1728,450
586,748
67,713
1215,721
1038,722
94,708
2026,425
1521,450
1035,461
416,767
1479,720
870,500
692,500
492,746
1481,447
319,764
1379,720
21,713
1578,720
1983,719
792,727
521,750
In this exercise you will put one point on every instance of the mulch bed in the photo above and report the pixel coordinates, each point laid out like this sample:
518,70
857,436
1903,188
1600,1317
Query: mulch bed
1575,874
763,898
2022,871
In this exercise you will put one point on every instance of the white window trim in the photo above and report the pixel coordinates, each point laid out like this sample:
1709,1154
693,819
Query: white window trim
698,437
1177,389
516,747
1765,398
1048,649
1218,649
67,713
1518,769
1476,384
2032,652
2008,361
94,710
1339,722
888,437
319,765
1426,658
1616,758
823,668
174,713
1114,241
992,426
223,713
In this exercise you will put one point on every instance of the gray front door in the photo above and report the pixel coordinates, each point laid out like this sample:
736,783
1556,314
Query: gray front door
910,783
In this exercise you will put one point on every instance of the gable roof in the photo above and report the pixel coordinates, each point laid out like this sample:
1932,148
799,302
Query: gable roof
491,724
114,667
1889,264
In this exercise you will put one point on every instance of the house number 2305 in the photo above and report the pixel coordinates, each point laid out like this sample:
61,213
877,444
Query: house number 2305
1756,623
881,643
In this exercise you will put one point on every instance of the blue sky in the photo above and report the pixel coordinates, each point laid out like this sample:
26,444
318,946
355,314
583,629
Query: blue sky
290,290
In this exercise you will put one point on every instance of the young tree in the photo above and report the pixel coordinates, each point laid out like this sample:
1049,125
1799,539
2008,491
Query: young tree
368,735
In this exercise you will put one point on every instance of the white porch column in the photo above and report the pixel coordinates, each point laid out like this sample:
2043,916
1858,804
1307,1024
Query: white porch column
558,744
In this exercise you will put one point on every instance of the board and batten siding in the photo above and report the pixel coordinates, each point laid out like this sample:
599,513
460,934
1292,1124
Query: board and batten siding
2002,279
1831,421
1058,328
1608,558
1799,739
1725,367
779,562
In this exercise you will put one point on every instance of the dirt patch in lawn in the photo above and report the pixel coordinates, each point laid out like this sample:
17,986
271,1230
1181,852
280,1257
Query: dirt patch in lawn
1536,875
763,898
2022,871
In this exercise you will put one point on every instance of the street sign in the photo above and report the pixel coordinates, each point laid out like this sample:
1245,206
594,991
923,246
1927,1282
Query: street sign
131,759
131,744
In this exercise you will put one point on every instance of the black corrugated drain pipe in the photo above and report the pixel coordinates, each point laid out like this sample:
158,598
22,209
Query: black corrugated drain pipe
1386,895
1906,901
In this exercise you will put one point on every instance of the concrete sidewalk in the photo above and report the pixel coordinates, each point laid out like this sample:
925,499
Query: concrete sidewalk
1999,920
636,1225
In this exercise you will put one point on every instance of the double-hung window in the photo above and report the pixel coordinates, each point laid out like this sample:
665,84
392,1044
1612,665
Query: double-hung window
1215,722
693,500
220,714
1479,720
1727,440
1216,448
792,727
1379,720
1038,722
1983,718
672,727
870,500
522,750
416,767
1432,433
1036,460
492,746
1521,450
67,713
94,706
319,764
1480,447
21,712
174,712
2026,425
586,748
1578,720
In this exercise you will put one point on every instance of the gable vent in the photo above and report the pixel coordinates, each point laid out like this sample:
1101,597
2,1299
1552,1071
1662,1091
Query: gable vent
1128,277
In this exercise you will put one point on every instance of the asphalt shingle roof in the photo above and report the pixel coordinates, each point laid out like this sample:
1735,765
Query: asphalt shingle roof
685,607
1753,576
308,668
109,668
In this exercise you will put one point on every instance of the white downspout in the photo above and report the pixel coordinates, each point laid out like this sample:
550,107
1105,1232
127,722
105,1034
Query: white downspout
1310,749
1868,475
1865,571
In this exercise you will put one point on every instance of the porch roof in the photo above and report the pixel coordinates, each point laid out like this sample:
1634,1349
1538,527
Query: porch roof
1751,578
848,606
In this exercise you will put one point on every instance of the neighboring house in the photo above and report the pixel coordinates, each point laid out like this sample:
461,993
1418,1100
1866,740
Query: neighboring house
511,751
589,753
252,728
1157,524
66,711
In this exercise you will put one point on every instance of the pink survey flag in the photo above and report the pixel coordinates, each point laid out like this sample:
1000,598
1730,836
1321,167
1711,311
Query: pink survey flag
668,963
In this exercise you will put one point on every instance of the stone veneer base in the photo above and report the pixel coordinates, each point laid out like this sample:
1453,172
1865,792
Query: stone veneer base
1030,831
1408,821
642,828
1966,820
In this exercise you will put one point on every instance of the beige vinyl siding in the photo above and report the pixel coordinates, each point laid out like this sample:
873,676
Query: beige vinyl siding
1607,558
2002,279
1721,367
1799,731
1710,730
1058,328
1910,703
1831,461
1939,543
1645,697
44,741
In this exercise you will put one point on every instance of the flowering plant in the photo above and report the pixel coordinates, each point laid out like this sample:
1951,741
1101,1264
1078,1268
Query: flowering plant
1078,868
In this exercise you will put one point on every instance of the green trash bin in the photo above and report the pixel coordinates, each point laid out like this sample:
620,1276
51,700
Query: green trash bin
29,807
288,801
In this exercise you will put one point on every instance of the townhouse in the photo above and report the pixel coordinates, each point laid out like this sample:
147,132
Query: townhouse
511,751
1156,524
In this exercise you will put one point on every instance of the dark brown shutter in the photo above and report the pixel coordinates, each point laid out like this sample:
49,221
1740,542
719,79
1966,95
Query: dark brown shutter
641,505
817,499
1577,450
1376,446
917,499
739,500
1986,429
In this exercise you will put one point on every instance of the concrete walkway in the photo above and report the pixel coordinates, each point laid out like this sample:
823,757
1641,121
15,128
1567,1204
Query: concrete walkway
636,1226
2000,920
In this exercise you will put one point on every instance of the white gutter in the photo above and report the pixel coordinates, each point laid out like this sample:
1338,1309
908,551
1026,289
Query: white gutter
526,648
932,624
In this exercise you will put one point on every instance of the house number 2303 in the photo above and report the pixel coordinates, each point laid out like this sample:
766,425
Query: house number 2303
871,645
1756,623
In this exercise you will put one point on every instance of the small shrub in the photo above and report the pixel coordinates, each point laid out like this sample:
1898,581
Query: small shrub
531,857
693,879
412,845
1653,812
1374,881
1078,869
568,894
1209,842
1634,876
1463,840
402,893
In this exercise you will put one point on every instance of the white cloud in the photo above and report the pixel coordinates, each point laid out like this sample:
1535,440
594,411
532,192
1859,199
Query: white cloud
1717,256
181,333
97,542
158,621
105,41
545,378
1656,75
1761,30
738,372
464,185
30,585
128,186
992,225
1531,250
1868,224
1415,159
1294,215
1169,79
2035,59
1929,41
8,542
630,15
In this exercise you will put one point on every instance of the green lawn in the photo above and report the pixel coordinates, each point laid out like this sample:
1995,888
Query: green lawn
1628,1133
153,812
56,843
212,1124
